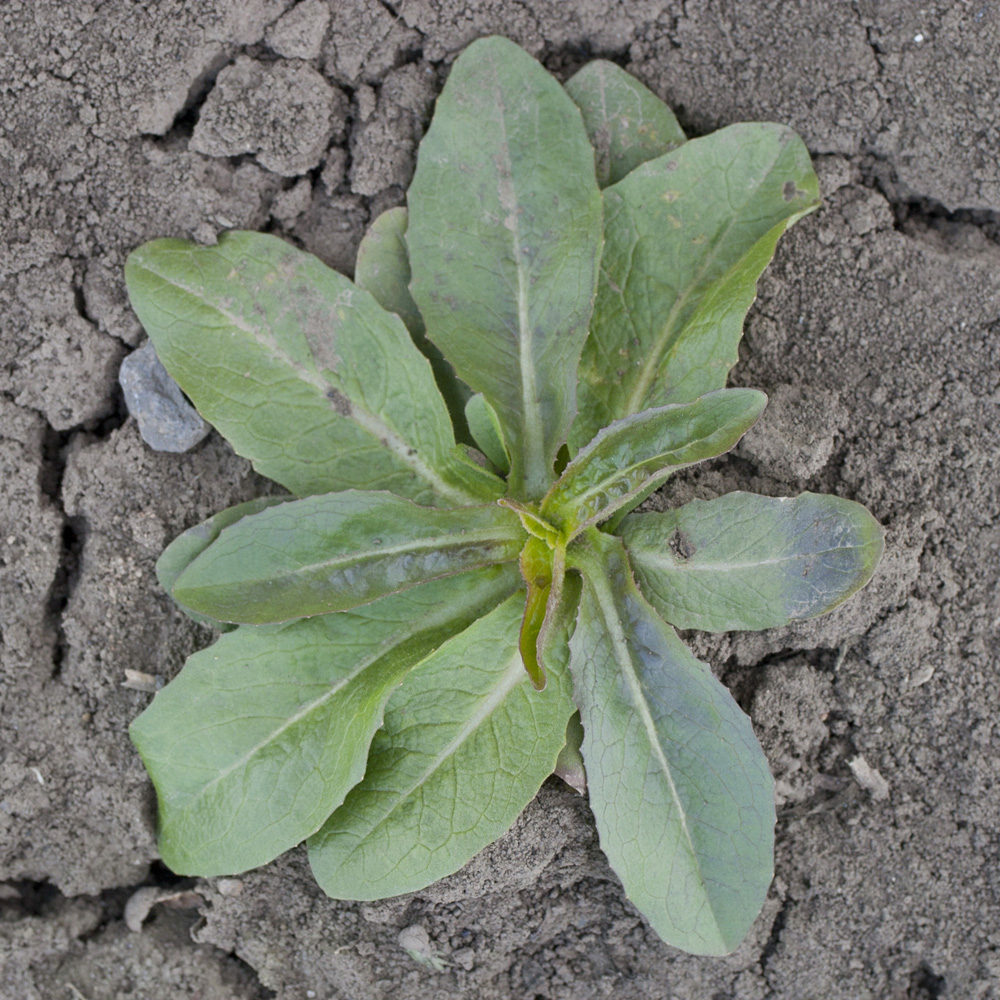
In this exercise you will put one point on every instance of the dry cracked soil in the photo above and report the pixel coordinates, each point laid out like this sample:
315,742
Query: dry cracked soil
876,333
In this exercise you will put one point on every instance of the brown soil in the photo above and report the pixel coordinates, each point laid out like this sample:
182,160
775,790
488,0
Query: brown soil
877,333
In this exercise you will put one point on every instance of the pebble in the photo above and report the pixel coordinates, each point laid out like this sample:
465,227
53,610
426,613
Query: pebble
167,421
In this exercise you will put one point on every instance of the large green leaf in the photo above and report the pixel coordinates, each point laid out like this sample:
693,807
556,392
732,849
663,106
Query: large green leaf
744,561
626,122
686,237
260,737
504,238
338,551
678,784
466,745
383,268
301,370
634,455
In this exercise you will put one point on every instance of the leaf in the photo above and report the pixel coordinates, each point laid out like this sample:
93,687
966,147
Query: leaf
678,784
302,371
186,547
338,551
537,573
560,614
504,238
569,765
634,455
533,524
466,745
484,425
383,268
260,737
686,237
626,122
744,561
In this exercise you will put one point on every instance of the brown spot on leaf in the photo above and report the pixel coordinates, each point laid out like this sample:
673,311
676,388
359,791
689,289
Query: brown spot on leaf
340,402
790,191
681,545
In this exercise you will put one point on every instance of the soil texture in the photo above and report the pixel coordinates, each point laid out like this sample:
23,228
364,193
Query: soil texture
876,334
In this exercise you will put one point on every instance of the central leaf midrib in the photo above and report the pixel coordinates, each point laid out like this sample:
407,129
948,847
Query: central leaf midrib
532,439
650,557
433,543
382,432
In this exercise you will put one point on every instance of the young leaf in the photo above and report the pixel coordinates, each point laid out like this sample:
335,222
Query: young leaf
634,455
302,371
383,268
466,745
560,613
686,237
626,122
504,238
186,547
678,784
338,551
484,425
260,737
744,561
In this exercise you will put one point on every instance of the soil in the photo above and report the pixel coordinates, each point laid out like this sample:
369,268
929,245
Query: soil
876,332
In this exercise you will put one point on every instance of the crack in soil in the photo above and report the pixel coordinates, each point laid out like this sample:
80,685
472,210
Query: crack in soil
774,939
184,121
911,209
55,447
26,898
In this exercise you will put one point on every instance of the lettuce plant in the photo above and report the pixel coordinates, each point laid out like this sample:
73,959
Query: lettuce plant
527,352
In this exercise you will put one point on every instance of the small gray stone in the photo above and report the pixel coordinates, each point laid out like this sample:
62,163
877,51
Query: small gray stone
167,421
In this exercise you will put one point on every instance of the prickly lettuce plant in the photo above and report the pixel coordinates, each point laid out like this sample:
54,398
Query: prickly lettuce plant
418,622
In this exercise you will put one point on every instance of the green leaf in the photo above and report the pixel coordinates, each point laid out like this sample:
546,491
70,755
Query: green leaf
678,784
466,745
634,455
504,239
686,237
537,573
186,547
532,523
260,737
302,371
338,551
626,122
383,268
484,425
560,614
744,561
